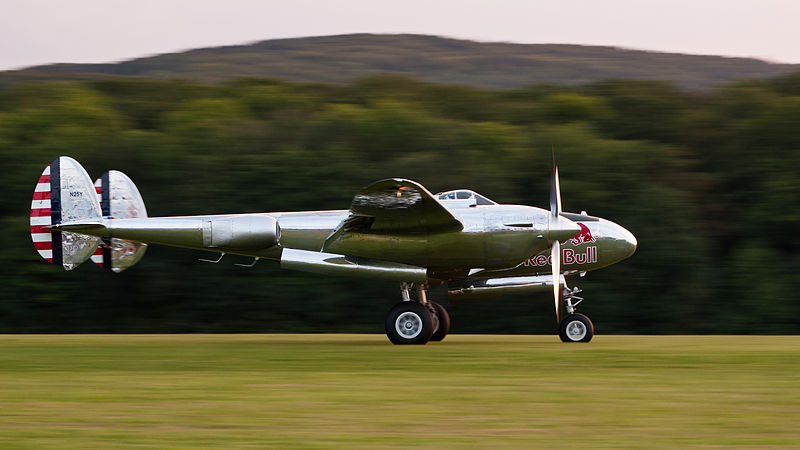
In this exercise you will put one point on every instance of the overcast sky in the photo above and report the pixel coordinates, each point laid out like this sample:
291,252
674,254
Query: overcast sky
39,32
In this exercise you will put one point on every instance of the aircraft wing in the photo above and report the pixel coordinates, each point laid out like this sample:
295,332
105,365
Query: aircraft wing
403,205
398,205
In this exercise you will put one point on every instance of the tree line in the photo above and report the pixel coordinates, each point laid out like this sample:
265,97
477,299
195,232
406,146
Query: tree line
706,180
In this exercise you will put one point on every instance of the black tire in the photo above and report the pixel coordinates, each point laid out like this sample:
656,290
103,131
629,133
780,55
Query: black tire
444,323
576,328
409,323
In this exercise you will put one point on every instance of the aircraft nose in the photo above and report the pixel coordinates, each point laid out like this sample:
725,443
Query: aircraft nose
628,242
621,242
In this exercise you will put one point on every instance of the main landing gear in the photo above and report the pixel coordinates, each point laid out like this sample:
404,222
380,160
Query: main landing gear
416,321
575,327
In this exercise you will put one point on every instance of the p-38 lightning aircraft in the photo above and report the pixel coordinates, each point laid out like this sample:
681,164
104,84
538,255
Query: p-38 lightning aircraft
394,230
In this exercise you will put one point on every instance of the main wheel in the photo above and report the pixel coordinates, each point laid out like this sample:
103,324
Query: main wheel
409,323
444,322
576,328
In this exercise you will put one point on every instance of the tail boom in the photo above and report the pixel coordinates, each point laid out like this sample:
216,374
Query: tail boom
225,233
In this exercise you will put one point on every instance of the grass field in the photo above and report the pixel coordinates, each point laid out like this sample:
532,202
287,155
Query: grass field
360,391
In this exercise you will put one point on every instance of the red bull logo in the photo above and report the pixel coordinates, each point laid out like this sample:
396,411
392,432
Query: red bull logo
583,236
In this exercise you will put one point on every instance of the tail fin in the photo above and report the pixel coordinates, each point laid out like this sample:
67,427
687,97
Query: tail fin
120,199
64,194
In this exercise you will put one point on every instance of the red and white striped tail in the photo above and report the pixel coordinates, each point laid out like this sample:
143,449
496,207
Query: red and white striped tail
63,194
41,217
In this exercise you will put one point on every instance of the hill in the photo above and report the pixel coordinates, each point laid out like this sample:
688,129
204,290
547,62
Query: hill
339,59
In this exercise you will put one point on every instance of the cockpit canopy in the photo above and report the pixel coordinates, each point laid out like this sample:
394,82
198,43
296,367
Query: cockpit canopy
464,196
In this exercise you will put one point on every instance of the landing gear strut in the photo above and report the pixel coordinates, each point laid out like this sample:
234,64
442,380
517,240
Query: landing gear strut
416,321
575,327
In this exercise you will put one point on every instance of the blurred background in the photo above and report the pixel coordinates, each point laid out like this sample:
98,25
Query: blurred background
697,157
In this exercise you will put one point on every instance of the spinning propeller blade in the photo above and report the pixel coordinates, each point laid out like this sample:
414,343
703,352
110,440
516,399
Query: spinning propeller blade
555,254
555,193
559,228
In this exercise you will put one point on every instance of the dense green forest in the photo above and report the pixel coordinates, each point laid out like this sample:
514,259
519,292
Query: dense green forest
344,58
707,181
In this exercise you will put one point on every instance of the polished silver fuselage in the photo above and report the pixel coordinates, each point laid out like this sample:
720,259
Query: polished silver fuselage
489,241
498,240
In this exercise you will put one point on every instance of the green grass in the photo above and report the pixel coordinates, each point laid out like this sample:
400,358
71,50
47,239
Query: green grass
358,390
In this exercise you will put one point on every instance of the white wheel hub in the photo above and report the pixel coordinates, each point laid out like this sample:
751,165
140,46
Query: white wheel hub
576,330
408,325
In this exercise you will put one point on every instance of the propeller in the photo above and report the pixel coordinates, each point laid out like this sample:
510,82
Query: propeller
555,192
555,255
558,229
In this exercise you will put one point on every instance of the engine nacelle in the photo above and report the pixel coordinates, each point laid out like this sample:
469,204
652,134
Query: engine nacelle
333,264
254,231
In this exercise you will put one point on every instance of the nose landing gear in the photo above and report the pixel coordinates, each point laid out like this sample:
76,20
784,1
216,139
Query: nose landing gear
575,327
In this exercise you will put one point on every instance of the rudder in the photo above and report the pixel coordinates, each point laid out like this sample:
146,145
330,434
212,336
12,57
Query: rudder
119,199
63,194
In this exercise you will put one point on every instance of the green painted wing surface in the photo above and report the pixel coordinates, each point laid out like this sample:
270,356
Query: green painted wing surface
402,205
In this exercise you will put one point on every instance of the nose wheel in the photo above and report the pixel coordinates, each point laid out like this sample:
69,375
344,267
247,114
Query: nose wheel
576,328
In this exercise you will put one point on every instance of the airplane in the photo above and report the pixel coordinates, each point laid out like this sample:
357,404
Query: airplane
395,230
